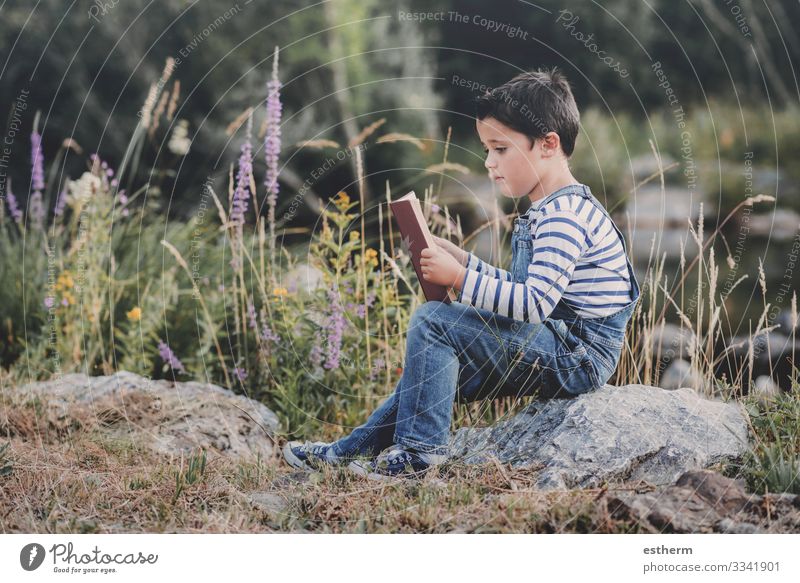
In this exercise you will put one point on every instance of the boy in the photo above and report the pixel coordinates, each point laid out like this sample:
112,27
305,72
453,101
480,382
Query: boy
553,325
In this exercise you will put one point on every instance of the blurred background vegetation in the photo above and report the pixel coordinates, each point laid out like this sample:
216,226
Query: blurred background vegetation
348,63
355,70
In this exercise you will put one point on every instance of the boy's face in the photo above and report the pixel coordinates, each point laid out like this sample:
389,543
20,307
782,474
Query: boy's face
512,163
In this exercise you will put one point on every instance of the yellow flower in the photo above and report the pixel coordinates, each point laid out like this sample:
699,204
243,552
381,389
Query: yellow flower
135,314
371,256
64,281
354,235
280,291
341,201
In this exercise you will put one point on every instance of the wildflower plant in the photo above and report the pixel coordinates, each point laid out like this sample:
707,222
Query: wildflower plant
320,357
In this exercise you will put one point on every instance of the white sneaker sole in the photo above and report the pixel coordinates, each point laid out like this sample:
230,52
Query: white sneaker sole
360,468
363,470
292,459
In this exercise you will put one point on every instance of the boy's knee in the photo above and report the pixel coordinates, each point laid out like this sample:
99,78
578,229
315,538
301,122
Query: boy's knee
428,313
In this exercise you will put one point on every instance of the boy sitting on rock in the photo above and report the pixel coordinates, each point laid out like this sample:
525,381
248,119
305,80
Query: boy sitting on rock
553,324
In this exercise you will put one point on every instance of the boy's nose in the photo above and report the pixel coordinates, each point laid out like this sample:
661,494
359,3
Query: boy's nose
489,163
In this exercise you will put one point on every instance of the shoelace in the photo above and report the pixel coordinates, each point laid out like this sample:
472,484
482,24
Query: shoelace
319,450
398,455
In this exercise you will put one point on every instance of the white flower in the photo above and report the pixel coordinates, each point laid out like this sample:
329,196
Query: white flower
85,187
179,141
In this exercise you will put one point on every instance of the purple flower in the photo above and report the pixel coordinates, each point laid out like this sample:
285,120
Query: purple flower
240,374
61,202
435,207
49,301
316,354
361,311
37,162
272,139
169,357
13,206
268,335
335,331
377,365
102,170
242,191
251,315
36,209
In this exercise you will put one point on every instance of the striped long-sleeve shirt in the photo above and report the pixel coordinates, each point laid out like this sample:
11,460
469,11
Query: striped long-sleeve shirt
576,254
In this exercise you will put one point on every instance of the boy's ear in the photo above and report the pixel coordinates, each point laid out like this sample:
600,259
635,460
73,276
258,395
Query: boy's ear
551,144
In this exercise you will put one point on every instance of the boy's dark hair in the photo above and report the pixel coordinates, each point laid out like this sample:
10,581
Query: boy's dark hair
534,104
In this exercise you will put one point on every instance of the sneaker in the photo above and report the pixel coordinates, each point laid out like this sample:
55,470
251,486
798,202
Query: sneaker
309,455
395,462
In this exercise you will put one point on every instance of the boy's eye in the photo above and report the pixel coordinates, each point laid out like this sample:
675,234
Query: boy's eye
500,149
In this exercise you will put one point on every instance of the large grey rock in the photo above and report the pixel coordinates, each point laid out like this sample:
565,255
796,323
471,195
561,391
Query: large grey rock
164,416
612,434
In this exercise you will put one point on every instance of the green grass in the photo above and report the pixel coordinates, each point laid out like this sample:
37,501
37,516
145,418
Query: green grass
773,463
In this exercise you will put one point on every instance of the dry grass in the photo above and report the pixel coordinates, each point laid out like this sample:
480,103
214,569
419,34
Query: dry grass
89,484
58,477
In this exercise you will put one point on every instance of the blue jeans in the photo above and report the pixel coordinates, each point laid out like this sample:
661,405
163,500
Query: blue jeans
459,352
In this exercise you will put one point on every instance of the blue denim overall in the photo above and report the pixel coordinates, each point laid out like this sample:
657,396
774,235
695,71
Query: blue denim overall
590,347
459,352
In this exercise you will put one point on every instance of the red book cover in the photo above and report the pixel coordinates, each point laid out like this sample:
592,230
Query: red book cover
416,237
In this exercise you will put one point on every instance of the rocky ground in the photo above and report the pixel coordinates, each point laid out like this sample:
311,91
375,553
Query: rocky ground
126,454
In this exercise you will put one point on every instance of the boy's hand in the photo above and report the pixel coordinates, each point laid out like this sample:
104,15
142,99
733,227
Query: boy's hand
441,268
457,252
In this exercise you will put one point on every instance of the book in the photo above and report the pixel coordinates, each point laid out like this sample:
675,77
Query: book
416,236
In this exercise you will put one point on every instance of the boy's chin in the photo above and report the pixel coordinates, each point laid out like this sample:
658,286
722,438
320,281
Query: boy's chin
506,191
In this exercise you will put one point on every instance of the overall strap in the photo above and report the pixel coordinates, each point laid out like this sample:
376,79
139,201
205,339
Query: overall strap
580,189
585,192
